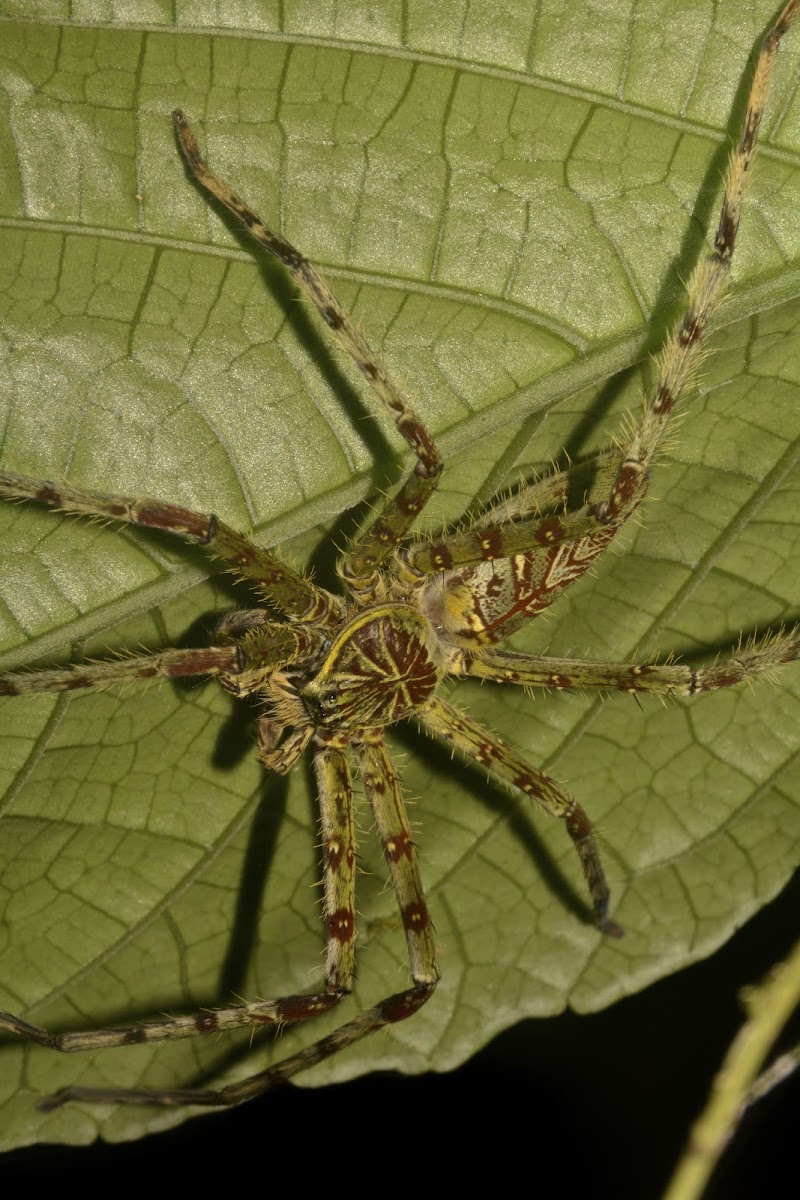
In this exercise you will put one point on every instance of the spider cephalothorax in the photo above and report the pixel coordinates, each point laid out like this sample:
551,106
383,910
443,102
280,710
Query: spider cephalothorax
332,673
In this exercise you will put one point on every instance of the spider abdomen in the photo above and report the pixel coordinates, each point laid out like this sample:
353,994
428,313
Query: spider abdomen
382,666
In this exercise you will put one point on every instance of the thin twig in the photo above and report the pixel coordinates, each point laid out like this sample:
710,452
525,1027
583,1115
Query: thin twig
769,1006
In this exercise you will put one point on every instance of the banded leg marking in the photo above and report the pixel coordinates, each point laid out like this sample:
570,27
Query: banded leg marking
680,357
339,856
475,741
391,821
756,657
388,1012
280,585
241,668
677,366
487,543
339,860
362,562
168,664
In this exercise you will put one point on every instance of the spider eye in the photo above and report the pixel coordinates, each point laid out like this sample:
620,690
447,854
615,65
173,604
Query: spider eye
322,707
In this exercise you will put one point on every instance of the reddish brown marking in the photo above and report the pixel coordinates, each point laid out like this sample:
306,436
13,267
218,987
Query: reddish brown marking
493,587
578,824
203,662
723,678
135,1035
550,530
382,531
206,1022
299,1008
560,681
399,847
627,482
76,681
341,925
433,468
440,556
491,543
169,516
334,852
664,401
415,916
48,494
405,1004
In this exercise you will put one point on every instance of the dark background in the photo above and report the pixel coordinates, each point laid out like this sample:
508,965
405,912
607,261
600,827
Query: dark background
595,1106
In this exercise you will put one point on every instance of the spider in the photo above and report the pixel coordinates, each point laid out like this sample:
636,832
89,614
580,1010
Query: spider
333,671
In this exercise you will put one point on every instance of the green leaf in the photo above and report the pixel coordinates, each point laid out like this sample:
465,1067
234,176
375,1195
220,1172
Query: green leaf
507,200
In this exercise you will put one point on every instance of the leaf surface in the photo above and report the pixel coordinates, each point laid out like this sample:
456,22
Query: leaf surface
507,202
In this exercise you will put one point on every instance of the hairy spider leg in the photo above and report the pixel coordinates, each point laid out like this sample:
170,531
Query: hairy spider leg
587,531
757,657
336,817
339,857
388,1012
474,741
383,792
241,668
681,356
164,664
362,562
276,582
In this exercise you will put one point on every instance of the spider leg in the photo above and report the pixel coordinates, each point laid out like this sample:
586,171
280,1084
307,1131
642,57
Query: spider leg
283,587
388,1012
552,493
756,657
683,352
338,841
338,845
362,562
242,667
527,535
391,821
534,518
475,741
591,526
167,664
339,859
